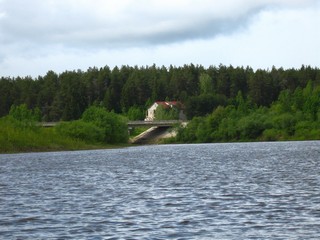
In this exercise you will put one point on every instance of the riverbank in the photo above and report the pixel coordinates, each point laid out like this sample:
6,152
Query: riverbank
22,139
60,148
20,131
15,139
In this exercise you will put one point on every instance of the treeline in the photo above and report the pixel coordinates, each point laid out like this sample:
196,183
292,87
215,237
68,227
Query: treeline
130,90
294,116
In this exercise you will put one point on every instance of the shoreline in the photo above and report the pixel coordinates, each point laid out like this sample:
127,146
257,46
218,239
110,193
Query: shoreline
119,146
58,149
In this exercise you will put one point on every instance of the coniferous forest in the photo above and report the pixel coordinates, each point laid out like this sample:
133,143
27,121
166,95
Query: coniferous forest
223,103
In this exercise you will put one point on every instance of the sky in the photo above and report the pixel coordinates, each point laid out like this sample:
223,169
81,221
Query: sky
41,35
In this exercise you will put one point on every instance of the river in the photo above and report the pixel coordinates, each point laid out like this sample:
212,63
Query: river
201,191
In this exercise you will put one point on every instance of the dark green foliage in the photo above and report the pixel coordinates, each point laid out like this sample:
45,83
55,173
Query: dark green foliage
22,113
46,96
65,96
189,134
79,129
204,104
72,98
136,113
252,126
23,117
291,96
206,84
19,131
114,126
163,113
8,95
292,116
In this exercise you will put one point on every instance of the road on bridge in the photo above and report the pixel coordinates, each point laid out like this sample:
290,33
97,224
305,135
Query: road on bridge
163,123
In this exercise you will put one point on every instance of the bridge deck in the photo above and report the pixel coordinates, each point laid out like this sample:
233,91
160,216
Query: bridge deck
165,123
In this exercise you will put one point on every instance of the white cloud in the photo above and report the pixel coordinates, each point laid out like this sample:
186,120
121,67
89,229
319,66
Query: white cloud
71,34
131,22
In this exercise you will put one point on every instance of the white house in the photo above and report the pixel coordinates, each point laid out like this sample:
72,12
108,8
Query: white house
166,104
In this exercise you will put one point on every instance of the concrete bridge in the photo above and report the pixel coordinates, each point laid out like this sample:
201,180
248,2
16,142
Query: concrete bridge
156,130
161,123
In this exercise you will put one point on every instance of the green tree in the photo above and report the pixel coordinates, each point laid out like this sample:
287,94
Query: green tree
22,113
188,134
24,117
113,95
312,101
206,85
298,100
223,81
115,127
203,104
48,90
170,113
238,81
136,113
67,95
79,129
72,95
7,95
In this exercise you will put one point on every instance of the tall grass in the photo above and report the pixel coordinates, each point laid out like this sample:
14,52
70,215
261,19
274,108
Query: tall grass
19,131
15,138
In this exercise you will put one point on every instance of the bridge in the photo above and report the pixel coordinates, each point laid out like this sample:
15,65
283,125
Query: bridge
162,123
156,130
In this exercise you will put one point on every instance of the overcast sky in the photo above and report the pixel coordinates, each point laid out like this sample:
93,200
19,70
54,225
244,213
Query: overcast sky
41,35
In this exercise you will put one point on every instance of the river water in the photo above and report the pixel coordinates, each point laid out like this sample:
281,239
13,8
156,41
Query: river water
206,191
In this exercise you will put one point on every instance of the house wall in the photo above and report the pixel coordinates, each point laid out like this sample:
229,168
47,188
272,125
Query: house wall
151,112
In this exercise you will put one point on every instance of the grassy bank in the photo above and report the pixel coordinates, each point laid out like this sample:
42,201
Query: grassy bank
15,138
20,131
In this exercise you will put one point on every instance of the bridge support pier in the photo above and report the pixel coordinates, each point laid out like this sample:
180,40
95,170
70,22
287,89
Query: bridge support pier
153,135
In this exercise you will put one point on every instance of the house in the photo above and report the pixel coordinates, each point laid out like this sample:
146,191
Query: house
167,105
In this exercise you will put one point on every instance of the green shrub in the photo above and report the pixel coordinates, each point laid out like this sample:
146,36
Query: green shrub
252,126
22,117
273,135
114,126
79,129
307,130
17,139
163,113
286,122
136,113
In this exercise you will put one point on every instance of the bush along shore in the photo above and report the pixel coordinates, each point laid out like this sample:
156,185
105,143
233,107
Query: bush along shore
98,128
294,116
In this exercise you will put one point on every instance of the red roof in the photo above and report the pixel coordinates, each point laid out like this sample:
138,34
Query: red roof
167,104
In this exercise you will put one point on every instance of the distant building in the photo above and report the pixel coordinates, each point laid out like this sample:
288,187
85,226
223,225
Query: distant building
167,105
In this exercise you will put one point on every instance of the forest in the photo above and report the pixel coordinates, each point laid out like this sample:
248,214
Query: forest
224,103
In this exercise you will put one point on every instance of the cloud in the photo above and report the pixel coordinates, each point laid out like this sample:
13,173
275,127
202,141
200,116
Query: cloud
54,34
109,23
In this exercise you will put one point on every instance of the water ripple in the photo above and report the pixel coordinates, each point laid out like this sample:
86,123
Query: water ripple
208,191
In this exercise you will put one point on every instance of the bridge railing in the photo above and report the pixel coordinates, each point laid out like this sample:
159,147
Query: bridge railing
162,123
